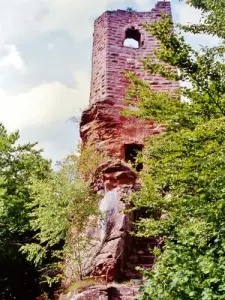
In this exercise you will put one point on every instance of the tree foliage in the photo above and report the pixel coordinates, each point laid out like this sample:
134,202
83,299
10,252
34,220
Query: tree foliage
62,207
43,215
18,165
183,177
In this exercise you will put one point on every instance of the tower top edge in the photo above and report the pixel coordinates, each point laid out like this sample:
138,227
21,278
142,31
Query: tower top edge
159,5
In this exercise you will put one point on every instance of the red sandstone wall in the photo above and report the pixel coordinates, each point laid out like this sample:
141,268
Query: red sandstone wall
99,60
111,59
102,123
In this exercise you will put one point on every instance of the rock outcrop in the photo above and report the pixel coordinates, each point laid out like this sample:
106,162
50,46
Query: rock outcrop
104,125
105,292
114,181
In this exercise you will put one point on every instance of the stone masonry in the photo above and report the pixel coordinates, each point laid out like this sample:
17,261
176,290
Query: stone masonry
102,122
103,125
111,59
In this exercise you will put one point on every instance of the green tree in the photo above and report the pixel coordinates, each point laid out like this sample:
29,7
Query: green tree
62,210
184,168
18,164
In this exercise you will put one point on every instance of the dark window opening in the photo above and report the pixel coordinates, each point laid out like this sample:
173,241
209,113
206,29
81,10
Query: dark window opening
131,152
132,38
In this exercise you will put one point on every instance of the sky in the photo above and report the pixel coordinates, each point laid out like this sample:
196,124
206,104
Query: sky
45,65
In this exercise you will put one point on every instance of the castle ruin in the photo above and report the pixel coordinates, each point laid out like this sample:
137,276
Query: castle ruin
121,137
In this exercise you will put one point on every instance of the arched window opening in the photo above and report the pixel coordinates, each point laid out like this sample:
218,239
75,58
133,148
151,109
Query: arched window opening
132,38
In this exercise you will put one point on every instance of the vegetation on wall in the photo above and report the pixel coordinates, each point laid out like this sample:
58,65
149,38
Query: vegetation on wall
130,9
184,168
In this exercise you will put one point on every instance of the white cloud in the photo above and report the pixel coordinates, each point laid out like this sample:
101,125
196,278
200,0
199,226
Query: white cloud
145,5
76,17
51,46
186,14
56,138
22,18
44,104
12,59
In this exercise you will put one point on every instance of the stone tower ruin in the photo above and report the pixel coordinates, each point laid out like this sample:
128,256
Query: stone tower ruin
103,125
102,122
111,59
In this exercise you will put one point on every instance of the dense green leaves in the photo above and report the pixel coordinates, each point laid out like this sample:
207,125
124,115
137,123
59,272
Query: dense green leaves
184,168
18,165
43,215
60,202
62,210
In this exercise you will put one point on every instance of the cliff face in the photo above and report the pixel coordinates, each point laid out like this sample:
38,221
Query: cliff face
104,125
117,253
115,182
